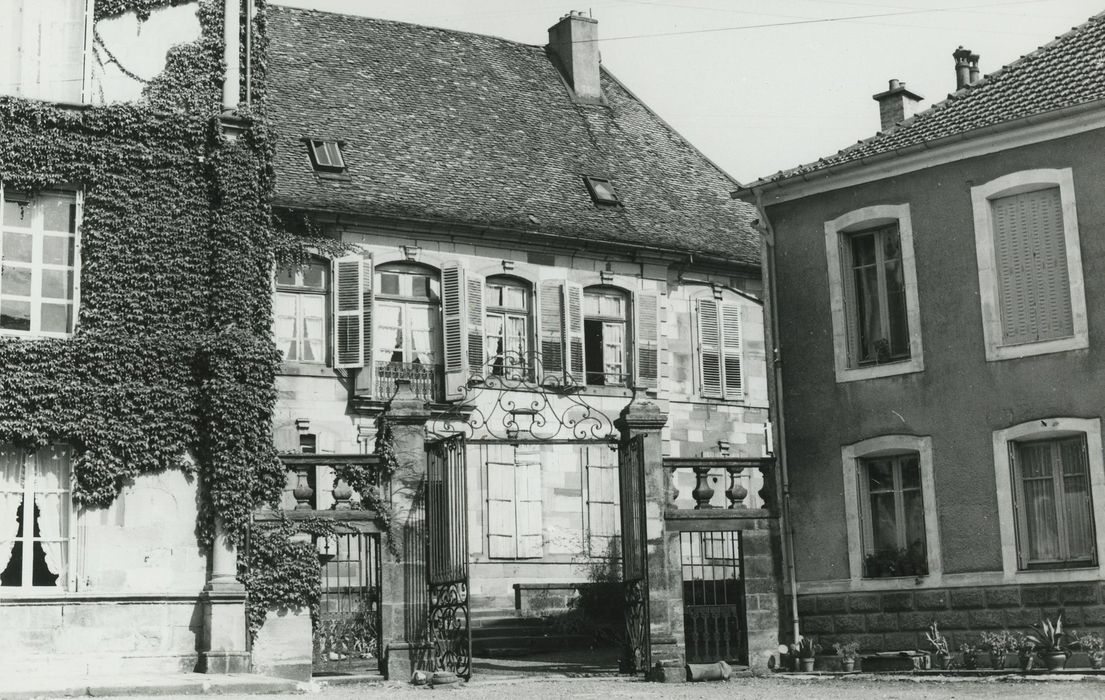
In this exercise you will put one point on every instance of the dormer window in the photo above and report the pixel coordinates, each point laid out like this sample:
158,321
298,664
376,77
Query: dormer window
601,190
326,156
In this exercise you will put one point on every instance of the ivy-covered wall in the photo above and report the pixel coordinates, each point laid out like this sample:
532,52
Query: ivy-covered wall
172,354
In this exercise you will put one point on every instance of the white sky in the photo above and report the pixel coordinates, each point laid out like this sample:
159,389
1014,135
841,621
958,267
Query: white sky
757,100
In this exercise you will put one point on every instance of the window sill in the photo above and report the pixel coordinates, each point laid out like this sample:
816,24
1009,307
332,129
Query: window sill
305,369
996,353
854,374
599,390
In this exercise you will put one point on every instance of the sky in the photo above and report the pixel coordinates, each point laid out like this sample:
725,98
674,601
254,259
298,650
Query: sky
763,85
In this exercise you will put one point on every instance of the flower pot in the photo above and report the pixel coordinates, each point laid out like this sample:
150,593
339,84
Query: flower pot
807,664
970,662
997,661
941,661
1027,659
1096,659
848,665
1054,660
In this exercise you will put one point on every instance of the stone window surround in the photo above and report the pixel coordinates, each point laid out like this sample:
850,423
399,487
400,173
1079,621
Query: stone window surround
857,220
1049,427
888,444
1017,183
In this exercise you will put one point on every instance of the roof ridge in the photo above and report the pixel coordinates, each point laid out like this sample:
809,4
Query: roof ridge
380,20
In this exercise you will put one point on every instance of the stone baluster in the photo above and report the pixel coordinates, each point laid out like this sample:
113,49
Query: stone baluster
767,493
736,492
302,491
702,492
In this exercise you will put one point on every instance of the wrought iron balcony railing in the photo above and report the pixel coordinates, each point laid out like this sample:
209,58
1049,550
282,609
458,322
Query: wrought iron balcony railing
426,380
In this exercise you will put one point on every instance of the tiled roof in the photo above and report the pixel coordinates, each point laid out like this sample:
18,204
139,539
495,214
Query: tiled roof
1063,73
460,128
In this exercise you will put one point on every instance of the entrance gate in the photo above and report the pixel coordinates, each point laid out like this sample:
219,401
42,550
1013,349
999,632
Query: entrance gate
713,597
631,460
447,556
347,633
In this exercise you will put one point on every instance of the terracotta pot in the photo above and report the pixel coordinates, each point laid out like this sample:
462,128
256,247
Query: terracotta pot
940,661
848,665
807,664
1096,659
1055,660
997,661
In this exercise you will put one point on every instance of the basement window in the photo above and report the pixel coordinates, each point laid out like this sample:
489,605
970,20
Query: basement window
326,156
601,190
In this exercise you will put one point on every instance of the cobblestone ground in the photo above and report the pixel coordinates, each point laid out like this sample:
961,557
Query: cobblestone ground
757,688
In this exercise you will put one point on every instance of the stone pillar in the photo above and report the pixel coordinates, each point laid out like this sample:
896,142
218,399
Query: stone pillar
405,593
224,611
762,569
664,577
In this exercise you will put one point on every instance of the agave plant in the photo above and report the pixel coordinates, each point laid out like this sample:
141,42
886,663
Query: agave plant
1048,637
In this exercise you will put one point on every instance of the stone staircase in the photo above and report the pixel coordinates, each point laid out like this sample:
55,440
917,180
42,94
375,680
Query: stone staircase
501,633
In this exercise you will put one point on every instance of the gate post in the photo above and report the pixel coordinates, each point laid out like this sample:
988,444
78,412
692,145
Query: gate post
404,594
664,575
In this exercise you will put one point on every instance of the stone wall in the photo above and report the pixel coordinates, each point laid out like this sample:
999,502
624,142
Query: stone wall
895,620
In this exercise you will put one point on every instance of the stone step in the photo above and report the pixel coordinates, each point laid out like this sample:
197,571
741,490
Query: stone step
523,645
506,622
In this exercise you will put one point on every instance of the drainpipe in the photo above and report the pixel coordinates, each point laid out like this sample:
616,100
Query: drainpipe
775,388
231,54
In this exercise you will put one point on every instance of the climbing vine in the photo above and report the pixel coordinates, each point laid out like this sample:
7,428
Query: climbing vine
372,482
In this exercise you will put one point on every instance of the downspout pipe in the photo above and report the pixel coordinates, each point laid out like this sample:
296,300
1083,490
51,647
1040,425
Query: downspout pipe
775,407
231,54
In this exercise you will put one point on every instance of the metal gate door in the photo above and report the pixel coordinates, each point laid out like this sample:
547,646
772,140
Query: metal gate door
347,633
631,461
447,556
713,597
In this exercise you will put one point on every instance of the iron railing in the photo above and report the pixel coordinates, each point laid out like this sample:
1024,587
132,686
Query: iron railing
713,597
426,380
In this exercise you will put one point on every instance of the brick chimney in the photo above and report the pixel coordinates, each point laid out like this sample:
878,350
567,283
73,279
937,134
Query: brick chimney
966,68
896,104
574,48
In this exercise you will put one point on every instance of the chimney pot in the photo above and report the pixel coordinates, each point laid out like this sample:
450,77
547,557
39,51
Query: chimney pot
896,104
966,68
573,46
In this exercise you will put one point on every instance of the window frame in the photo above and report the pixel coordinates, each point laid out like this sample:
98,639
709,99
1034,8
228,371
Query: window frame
85,93
36,267
982,197
1008,526
724,350
430,302
852,457
523,369
599,199
626,323
316,146
836,231
299,290
898,491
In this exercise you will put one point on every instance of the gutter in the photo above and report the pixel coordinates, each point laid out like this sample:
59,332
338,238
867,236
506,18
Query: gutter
775,409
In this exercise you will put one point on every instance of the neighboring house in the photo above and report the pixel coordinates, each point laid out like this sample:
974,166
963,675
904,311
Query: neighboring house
124,212
939,337
529,244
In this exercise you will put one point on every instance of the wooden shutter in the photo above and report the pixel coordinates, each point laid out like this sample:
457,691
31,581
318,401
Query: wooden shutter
475,310
454,321
527,489
1031,257
731,350
601,464
573,323
550,321
349,312
709,348
646,326
366,378
851,312
501,525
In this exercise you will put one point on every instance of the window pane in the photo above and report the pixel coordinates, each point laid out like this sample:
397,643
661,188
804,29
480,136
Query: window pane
389,283
880,475
884,523
514,298
56,318
590,305
420,286
57,250
863,250
868,315
17,213
911,472
314,276
15,315
1035,461
59,213
914,508
612,306
56,284
286,277
494,294
17,247
15,281
1078,511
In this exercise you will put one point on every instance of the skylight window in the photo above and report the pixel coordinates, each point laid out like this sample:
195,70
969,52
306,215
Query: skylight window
602,190
326,156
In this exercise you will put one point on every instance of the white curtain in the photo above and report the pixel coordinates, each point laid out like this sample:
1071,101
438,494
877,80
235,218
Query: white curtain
11,495
52,498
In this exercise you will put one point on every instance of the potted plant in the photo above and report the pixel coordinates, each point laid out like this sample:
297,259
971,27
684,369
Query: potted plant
970,655
847,653
939,644
1026,652
999,644
1050,641
1094,646
803,652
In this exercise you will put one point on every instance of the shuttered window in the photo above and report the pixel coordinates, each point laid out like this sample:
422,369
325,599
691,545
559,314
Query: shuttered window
551,334
462,303
506,329
646,326
1031,257
605,336
299,312
719,349
1053,508
514,503
603,521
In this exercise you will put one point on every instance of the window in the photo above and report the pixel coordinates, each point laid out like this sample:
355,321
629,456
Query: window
1030,266
605,314
1051,483
514,517
408,312
34,546
873,293
889,502
326,156
719,349
603,514
506,327
601,190
894,522
38,275
42,49
300,312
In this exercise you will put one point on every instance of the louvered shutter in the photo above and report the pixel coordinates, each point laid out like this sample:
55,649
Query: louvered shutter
366,378
500,508
550,321
731,350
454,322
709,348
851,312
1031,257
602,498
349,346
474,307
527,491
573,323
646,326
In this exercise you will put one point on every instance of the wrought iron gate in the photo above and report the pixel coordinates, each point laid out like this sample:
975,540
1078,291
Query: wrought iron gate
347,633
713,597
447,556
631,461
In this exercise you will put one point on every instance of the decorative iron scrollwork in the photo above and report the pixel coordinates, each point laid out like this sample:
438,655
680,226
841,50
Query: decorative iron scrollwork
449,628
636,625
